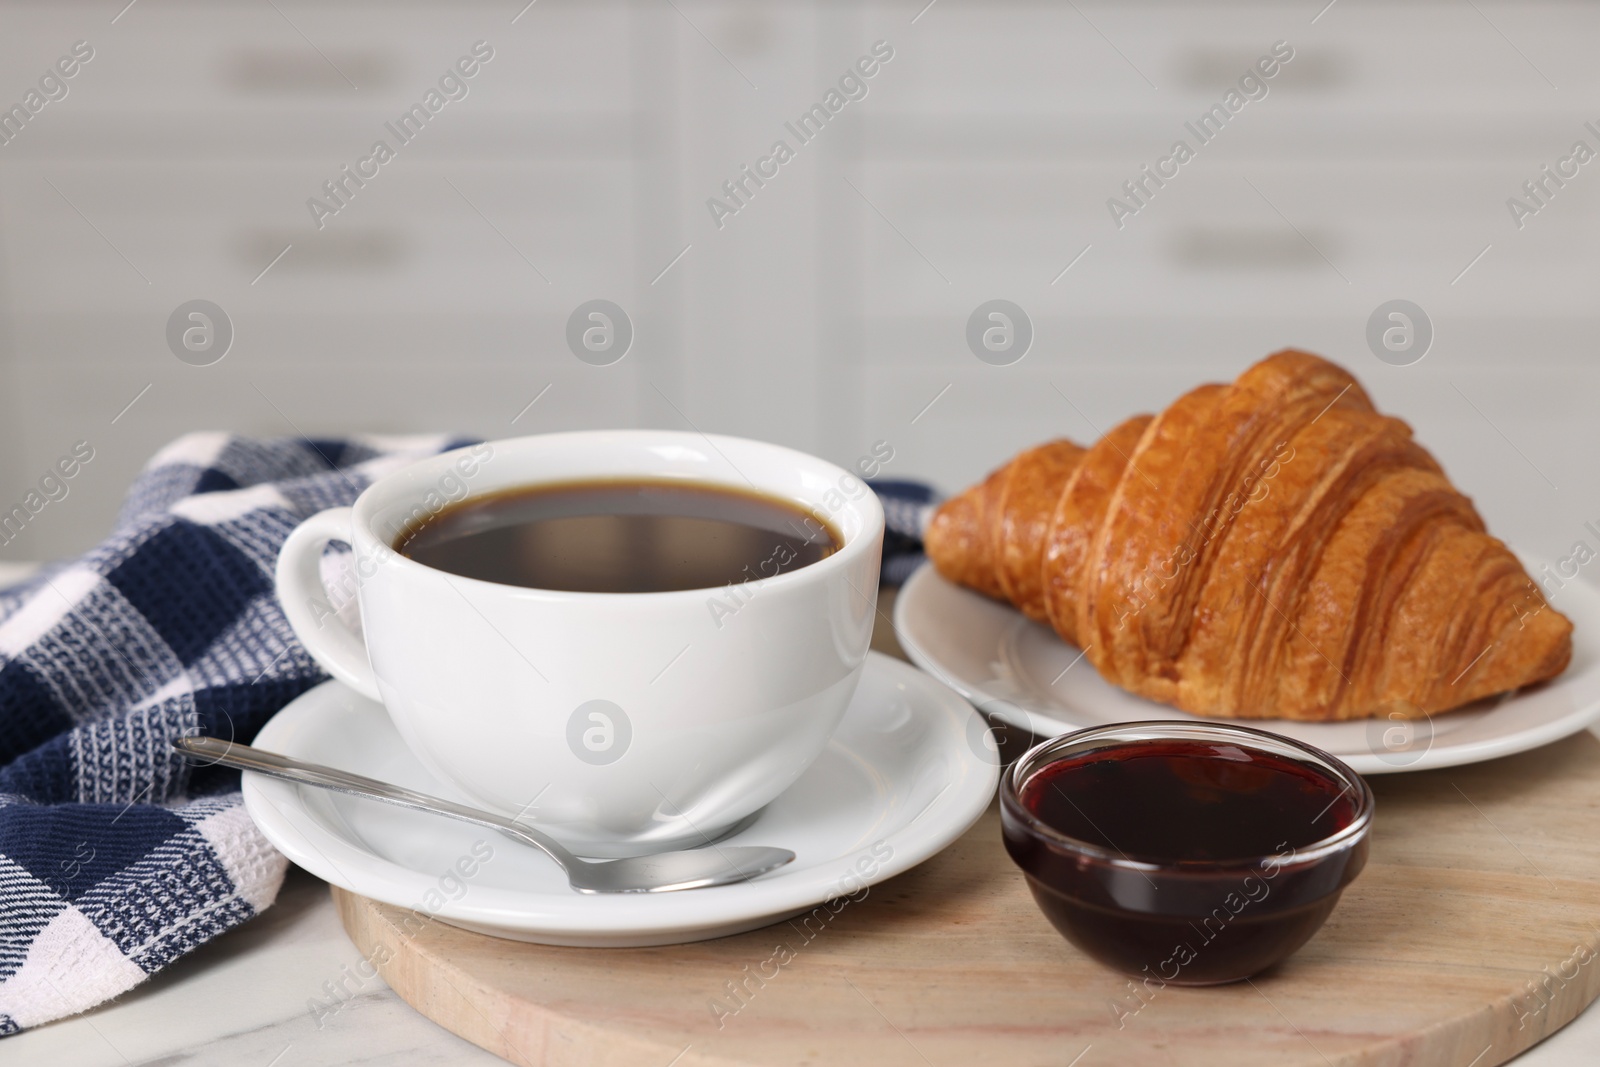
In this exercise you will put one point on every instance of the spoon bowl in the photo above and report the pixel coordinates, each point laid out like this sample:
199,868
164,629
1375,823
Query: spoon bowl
662,872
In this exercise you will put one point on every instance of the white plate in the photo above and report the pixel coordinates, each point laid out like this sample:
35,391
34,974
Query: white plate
901,779
1024,675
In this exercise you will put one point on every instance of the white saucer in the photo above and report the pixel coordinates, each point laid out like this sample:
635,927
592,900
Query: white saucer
1021,673
901,779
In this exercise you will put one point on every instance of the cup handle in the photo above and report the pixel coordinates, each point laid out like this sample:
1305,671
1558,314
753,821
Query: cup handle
305,601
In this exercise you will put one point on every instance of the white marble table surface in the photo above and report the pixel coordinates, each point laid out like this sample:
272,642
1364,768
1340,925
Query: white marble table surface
245,1001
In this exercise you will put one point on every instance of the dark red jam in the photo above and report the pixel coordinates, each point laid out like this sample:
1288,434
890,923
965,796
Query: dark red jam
1217,888
1188,800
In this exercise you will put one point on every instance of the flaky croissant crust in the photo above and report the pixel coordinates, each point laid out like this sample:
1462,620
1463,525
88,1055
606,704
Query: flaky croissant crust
1273,548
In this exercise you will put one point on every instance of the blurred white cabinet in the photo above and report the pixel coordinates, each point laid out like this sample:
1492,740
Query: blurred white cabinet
831,309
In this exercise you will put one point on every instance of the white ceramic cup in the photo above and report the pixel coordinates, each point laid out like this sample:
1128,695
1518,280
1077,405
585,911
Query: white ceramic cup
621,722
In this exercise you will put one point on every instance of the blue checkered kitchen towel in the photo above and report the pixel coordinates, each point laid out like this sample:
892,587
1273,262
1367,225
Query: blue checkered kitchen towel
116,858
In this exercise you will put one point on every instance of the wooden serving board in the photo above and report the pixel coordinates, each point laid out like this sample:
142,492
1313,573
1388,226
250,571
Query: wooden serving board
1473,933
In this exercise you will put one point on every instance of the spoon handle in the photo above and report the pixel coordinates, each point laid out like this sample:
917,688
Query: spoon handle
246,758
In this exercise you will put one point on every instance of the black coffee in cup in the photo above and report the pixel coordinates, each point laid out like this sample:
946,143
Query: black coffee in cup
620,536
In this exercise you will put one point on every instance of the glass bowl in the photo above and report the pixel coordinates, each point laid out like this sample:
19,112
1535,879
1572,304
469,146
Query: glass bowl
1185,853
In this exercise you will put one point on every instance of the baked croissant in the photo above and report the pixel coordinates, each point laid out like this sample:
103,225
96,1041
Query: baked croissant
1273,548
